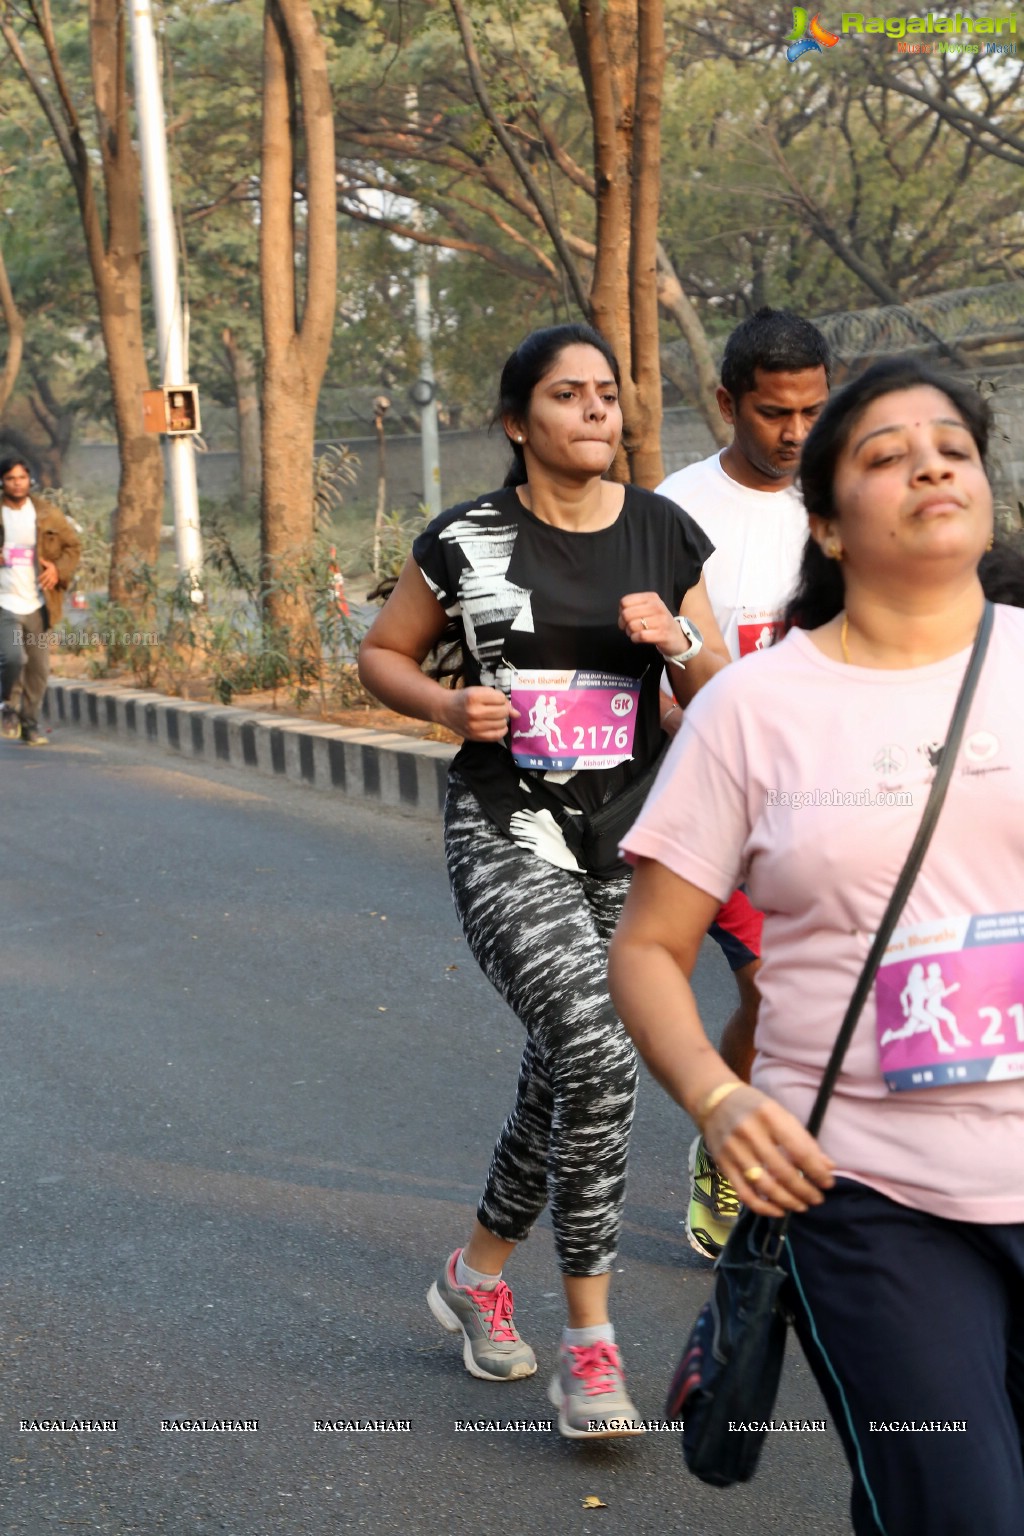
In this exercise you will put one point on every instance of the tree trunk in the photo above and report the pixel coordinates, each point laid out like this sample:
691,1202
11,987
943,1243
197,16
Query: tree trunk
57,421
620,48
675,303
646,462
295,354
114,260
247,409
15,337
140,489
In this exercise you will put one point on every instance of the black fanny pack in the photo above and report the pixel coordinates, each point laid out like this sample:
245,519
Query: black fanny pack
594,836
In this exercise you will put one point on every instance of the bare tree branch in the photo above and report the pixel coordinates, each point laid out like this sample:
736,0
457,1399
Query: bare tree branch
986,132
489,253
511,149
73,153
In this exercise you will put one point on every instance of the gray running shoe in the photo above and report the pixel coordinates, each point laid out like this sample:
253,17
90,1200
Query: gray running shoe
492,1349
590,1394
10,723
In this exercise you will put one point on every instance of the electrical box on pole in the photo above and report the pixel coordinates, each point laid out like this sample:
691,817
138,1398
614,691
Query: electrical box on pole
182,408
173,410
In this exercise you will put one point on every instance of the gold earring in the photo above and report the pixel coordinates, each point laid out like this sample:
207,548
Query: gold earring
834,550
991,541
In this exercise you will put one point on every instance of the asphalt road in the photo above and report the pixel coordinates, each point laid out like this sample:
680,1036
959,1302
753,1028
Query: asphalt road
251,1080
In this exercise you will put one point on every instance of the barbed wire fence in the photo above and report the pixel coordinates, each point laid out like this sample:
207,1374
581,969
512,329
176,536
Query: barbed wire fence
984,325
977,317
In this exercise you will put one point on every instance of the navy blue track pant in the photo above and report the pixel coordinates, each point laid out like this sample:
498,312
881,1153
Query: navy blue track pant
909,1320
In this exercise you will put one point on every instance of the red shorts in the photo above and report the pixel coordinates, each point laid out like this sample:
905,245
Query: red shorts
737,930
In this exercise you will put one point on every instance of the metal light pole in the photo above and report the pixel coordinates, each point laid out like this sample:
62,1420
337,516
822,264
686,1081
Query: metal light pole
424,390
381,406
172,346
429,442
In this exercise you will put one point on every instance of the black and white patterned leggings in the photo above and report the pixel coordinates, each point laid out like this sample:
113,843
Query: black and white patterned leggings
540,935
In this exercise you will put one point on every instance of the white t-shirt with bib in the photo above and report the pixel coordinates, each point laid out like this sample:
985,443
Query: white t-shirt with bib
19,585
759,538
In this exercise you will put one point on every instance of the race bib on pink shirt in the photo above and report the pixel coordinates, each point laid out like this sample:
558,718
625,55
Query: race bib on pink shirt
950,998
17,555
572,720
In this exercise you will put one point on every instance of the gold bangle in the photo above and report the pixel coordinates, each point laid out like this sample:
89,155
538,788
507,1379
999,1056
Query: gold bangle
714,1098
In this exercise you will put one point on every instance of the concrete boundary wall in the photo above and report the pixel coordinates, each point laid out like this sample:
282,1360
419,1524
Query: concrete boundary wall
471,461
377,766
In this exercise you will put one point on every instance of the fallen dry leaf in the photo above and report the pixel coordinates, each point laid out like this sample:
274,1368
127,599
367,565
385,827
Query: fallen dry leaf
593,1502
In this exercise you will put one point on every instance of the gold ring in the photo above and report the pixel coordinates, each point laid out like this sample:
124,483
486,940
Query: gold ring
643,623
753,1173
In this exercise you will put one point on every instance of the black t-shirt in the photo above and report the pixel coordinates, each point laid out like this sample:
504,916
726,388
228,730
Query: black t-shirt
528,597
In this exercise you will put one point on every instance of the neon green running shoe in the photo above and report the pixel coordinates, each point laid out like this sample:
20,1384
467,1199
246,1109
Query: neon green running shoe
714,1204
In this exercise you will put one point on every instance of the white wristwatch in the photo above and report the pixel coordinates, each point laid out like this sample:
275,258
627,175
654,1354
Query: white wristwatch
695,638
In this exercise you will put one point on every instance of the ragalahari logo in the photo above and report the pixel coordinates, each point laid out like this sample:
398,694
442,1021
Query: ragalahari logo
800,44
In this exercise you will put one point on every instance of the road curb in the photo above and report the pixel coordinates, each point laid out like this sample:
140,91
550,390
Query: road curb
381,767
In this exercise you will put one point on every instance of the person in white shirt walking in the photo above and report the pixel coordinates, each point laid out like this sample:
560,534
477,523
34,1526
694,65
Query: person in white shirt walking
39,553
776,371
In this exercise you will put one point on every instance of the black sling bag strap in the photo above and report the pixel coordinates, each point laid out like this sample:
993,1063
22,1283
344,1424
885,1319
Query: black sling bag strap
909,872
730,1368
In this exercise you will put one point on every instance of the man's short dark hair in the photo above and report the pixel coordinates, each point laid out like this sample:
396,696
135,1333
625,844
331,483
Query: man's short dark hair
12,462
777,341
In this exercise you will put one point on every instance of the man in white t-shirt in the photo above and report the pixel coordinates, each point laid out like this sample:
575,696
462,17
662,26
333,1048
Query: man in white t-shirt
39,552
775,381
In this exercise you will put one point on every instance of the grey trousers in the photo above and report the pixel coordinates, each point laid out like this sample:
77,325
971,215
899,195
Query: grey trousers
24,663
540,934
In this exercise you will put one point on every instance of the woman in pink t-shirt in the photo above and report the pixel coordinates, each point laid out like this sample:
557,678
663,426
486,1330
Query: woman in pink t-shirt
804,772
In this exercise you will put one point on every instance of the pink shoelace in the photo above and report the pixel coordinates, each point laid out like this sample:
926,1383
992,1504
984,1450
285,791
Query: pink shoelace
496,1306
598,1367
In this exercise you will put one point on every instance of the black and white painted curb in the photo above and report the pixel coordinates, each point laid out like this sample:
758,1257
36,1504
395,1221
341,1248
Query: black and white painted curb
378,766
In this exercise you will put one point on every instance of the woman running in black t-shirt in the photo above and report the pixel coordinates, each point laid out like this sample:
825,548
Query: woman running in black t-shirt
570,593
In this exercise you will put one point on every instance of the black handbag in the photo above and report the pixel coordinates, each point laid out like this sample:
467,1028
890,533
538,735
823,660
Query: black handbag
725,1385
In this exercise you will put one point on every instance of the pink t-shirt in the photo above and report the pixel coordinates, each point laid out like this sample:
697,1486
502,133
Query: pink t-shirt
806,778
